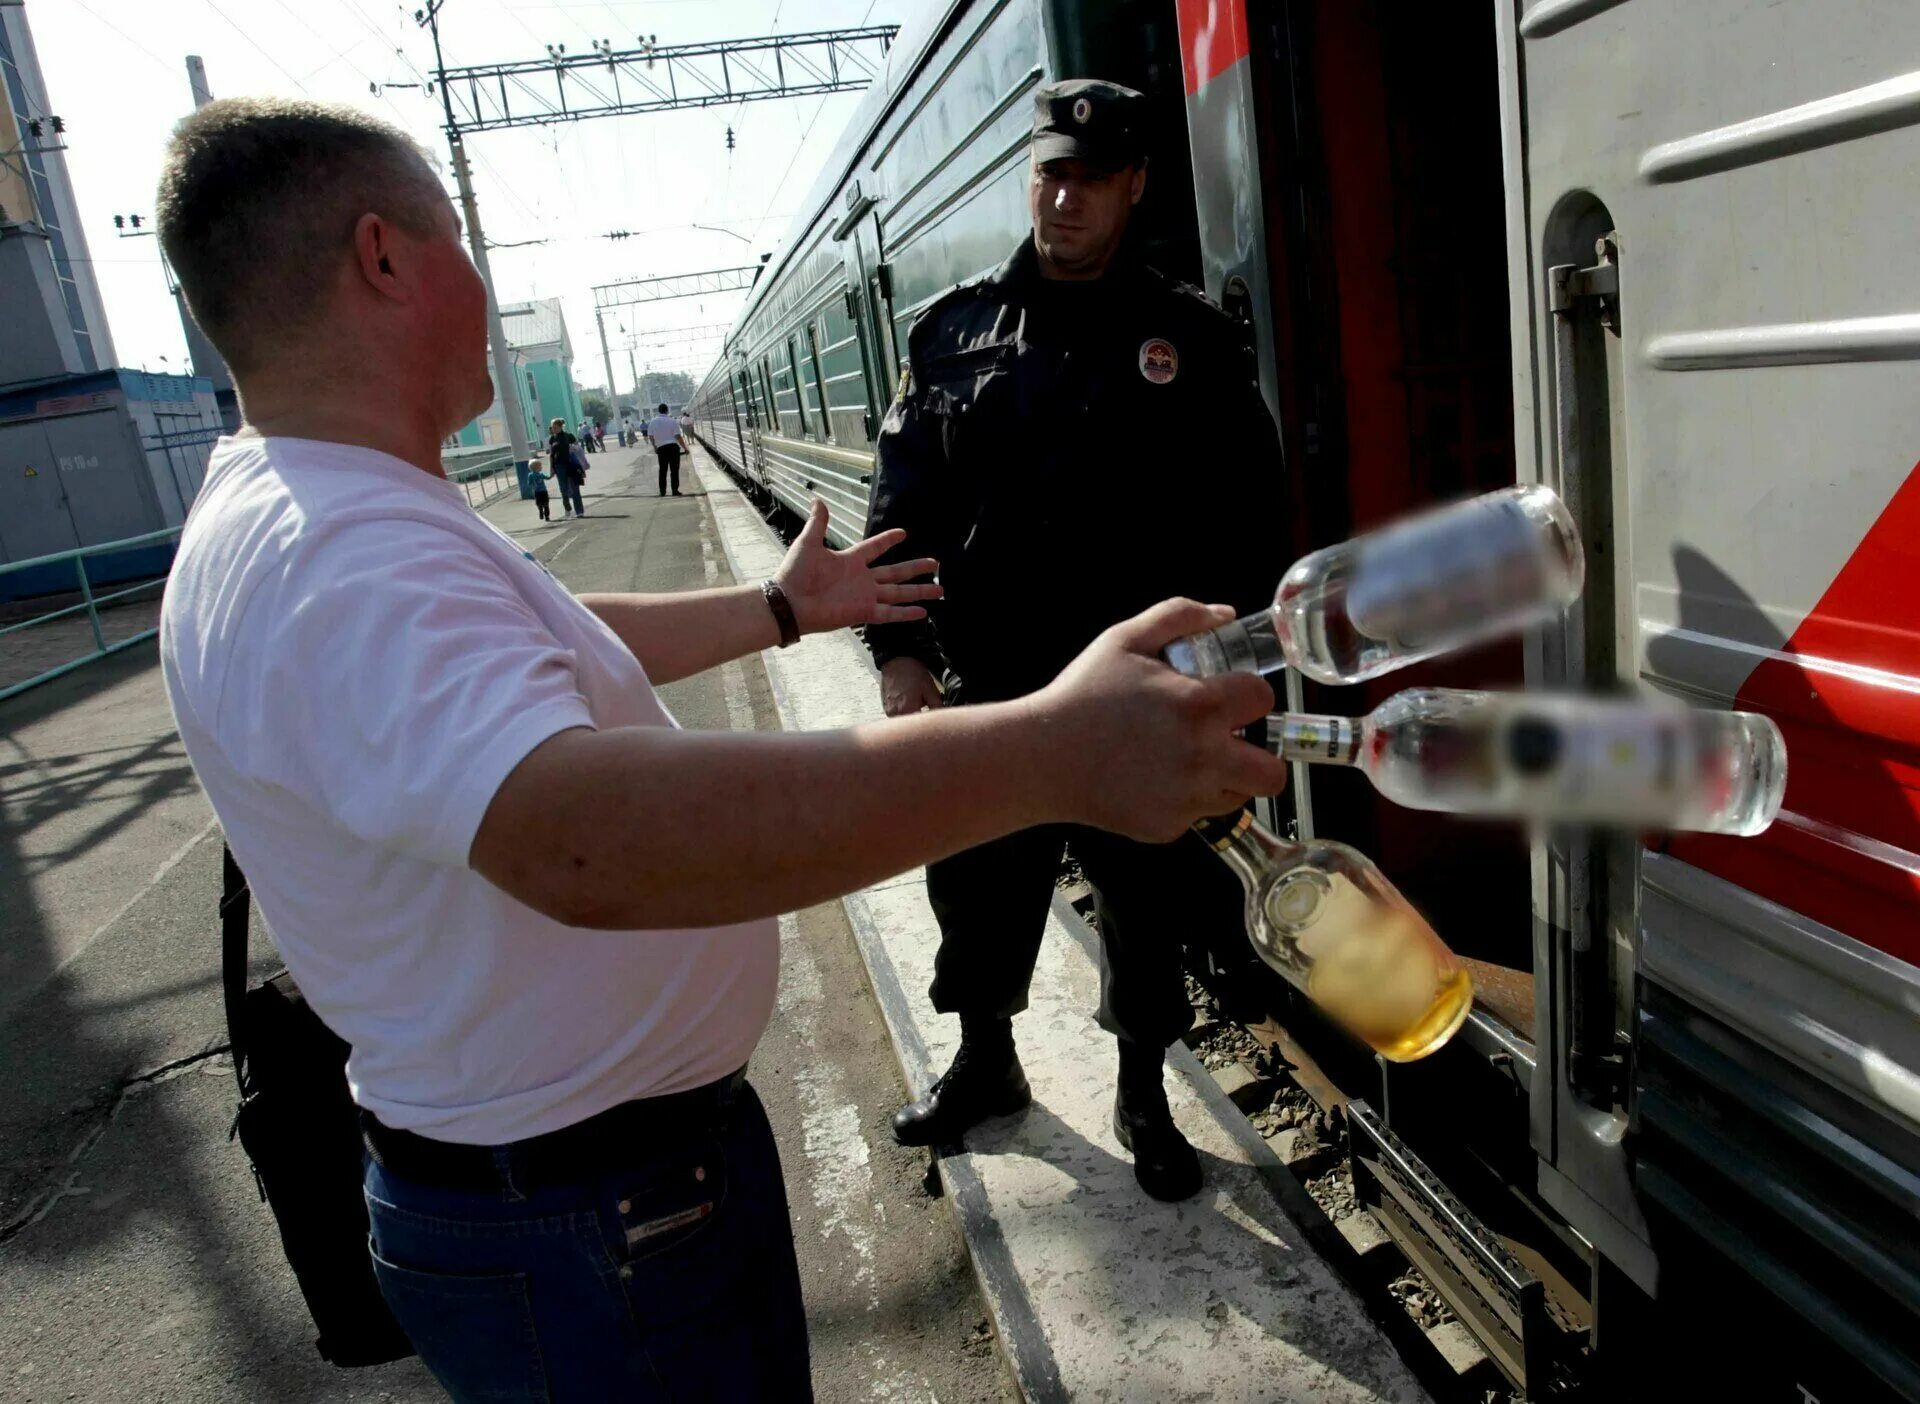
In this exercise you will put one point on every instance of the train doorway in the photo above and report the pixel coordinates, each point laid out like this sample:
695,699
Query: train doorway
1379,156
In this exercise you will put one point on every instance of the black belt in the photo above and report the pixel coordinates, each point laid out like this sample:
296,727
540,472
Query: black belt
605,1141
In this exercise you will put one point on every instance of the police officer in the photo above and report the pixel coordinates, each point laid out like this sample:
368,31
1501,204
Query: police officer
1038,447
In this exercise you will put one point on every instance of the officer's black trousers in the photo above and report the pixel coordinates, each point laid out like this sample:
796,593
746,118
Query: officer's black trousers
1149,899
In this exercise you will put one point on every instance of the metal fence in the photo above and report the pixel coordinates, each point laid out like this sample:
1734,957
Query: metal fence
61,650
485,473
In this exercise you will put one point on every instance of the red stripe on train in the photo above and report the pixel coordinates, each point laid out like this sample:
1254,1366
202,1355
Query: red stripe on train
1848,703
1213,37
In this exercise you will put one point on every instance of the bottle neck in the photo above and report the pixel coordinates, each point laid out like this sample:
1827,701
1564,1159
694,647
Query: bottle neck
1302,736
1236,838
1248,645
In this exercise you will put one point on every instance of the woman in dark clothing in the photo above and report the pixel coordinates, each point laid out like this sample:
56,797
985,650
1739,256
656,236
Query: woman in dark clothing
566,473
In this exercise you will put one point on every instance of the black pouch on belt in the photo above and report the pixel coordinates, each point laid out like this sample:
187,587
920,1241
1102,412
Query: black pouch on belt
301,1132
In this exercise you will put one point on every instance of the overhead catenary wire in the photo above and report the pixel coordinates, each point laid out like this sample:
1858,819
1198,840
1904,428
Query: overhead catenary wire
128,38
258,47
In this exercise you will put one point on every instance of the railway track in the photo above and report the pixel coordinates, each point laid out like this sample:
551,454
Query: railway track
1467,1289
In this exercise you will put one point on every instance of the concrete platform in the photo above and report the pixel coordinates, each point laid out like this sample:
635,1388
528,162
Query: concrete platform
1098,1292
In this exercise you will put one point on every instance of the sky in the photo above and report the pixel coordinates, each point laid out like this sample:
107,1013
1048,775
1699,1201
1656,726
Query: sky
116,72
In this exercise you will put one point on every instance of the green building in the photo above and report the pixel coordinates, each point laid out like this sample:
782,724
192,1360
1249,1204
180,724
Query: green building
541,354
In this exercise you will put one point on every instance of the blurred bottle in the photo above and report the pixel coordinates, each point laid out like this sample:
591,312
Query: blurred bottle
1581,759
1435,582
1327,919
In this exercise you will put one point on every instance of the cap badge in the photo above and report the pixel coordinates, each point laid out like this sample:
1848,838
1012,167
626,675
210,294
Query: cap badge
1159,362
1082,110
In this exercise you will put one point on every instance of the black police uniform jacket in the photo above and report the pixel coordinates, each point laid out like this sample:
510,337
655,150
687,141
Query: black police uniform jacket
1072,453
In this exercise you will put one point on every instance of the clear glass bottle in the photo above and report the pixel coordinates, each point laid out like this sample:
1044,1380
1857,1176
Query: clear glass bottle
1435,582
1652,765
1327,919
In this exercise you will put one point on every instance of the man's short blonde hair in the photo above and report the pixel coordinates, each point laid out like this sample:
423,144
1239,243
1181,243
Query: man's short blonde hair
257,204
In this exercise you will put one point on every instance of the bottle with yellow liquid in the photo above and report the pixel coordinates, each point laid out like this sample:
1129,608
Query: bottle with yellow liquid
1327,919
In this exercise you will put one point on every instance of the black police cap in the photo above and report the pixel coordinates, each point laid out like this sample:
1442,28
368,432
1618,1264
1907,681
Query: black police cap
1087,119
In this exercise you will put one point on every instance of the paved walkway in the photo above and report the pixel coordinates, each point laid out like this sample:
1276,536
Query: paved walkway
49,643
135,1260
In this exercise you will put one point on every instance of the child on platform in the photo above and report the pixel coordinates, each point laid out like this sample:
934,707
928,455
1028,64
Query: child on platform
538,480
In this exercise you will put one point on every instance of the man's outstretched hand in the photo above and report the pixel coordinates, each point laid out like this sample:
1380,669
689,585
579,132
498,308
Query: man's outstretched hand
1134,747
831,589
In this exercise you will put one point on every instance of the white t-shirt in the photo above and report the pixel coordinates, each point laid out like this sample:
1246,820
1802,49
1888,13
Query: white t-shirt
356,660
663,429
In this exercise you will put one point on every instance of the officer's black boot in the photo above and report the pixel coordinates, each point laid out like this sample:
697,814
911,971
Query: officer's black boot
1164,1164
985,1080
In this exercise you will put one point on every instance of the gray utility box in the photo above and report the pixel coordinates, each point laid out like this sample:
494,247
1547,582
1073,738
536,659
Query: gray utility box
89,459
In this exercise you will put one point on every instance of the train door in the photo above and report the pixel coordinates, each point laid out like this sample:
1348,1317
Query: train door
1347,181
876,281
755,455
1713,318
734,398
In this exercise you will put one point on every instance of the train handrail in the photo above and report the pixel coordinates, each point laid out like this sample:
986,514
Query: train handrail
89,602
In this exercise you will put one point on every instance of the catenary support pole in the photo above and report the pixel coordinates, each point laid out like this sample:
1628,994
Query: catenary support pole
505,384
606,358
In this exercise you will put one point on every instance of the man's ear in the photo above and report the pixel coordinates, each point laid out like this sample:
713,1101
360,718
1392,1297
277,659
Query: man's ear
374,251
1139,181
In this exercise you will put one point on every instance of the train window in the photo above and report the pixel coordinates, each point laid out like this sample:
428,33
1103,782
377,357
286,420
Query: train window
799,390
819,384
766,394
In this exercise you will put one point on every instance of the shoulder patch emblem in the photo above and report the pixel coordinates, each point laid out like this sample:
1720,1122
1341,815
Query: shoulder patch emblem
1159,362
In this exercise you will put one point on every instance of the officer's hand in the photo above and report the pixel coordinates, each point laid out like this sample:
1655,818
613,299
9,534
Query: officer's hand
1145,751
907,686
831,589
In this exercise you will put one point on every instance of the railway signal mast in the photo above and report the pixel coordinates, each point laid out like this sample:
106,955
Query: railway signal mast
609,82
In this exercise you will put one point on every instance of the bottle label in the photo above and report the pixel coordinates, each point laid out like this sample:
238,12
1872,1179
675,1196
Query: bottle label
1305,738
1219,831
1424,584
1624,766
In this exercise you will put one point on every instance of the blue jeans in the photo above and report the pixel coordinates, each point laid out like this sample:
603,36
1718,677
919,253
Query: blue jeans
673,1278
570,494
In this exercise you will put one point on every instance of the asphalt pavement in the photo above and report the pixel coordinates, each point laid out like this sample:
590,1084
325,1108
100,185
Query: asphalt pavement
136,1260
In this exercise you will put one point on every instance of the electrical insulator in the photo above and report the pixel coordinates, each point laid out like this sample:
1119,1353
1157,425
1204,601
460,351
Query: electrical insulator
59,125
729,138
119,221
33,127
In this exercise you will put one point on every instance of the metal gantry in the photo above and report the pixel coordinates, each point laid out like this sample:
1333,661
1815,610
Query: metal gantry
712,280
608,82
715,331
631,290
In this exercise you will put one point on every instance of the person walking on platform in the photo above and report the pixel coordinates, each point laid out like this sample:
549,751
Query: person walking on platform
538,481
663,431
1061,351
561,448
538,912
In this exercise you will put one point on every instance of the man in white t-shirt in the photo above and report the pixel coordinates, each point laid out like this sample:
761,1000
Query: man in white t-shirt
664,431
540,913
